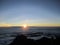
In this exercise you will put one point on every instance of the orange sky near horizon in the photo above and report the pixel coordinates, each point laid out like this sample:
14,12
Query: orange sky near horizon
8,25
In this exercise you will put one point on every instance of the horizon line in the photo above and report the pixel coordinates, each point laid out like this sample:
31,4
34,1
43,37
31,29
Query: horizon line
30,26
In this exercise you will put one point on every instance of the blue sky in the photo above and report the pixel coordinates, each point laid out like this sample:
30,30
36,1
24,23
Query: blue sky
19,12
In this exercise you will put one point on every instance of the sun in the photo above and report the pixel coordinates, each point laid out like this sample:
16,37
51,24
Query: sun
25,26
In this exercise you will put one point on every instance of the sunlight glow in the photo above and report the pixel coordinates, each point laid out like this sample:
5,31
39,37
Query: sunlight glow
25,26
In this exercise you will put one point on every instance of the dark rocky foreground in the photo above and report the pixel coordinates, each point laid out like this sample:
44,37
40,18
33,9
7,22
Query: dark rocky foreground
23,40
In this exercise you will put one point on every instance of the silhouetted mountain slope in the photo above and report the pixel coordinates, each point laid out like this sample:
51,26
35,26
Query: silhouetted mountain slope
22,40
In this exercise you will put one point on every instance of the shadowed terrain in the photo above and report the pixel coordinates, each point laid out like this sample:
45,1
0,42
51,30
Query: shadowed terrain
23,40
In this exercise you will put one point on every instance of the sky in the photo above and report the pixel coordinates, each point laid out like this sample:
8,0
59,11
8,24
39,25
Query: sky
30,12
